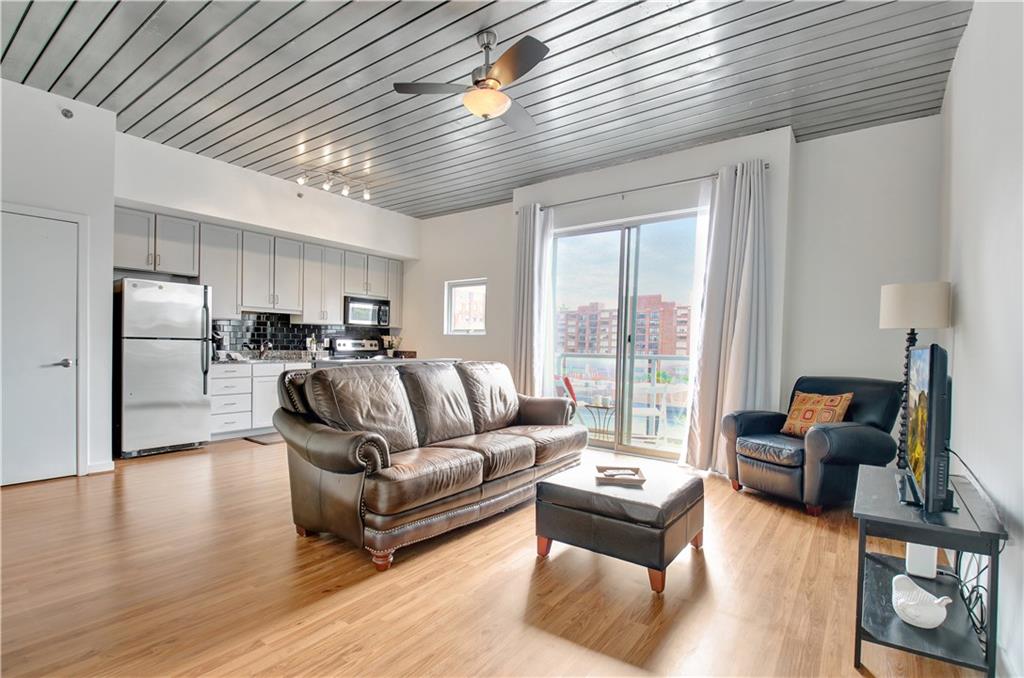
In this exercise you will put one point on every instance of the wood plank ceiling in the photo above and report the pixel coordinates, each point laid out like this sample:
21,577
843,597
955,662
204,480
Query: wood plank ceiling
283,87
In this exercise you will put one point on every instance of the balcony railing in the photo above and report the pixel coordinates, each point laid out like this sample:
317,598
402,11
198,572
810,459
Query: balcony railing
660,394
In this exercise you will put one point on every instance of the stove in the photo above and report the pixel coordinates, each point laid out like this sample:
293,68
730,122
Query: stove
356,349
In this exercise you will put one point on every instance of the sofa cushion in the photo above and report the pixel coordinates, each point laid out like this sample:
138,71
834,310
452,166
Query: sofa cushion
420,476
438,401
772,448
553,442
492,394
363,398
502,454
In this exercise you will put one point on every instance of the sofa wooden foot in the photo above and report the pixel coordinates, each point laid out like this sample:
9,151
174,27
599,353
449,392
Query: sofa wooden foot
303,532
657,578
382,559
698,540
813,510
736,485
543,546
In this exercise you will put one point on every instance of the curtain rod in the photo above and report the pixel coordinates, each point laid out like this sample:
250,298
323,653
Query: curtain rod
634,190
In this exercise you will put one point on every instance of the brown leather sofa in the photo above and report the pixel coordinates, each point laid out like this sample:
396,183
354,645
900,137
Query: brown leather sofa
385,456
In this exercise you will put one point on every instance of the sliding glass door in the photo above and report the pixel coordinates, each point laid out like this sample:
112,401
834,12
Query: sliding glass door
624,300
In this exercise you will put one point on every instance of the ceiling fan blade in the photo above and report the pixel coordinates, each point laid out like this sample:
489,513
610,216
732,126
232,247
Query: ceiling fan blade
518,119
429,88
518,60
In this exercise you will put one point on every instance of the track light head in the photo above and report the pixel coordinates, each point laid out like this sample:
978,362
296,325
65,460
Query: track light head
345,189
328,182
366,192
302,179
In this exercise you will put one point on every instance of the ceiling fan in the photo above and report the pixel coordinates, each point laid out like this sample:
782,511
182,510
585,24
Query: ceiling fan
484,98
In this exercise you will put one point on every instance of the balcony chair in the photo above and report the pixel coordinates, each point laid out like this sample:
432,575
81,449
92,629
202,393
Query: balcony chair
821,468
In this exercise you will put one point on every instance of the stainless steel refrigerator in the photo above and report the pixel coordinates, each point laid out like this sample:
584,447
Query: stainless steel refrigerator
162,361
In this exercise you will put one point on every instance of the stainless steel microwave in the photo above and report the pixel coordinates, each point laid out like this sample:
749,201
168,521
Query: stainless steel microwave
367,312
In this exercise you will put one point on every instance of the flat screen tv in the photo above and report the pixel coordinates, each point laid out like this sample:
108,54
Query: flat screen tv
928,415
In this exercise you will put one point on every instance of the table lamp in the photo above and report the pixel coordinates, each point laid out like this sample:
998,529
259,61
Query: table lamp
912,306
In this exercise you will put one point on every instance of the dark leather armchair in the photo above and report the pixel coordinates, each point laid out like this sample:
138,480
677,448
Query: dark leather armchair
821,468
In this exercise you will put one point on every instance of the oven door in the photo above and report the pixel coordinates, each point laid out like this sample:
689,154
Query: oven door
358,312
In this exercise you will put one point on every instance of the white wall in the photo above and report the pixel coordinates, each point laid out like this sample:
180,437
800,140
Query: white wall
154,176
475,244
982,120
865,212
775,146
68,166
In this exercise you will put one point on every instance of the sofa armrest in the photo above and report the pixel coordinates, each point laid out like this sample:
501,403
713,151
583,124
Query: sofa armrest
846,444
545,411
849,443
330,449
746,422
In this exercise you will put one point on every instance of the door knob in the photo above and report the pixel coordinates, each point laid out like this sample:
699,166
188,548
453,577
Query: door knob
66,362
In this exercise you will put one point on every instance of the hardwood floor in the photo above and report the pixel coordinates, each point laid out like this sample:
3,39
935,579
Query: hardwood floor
188,564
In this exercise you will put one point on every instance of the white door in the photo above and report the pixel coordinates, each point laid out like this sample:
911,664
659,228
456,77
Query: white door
287,275
377,277
177,245
39,351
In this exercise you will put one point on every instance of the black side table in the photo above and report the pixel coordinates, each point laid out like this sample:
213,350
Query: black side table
973,529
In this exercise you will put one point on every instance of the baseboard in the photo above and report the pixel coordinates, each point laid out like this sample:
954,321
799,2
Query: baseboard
100,467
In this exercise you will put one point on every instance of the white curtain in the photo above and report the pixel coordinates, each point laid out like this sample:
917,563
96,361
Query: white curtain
731,367
533,299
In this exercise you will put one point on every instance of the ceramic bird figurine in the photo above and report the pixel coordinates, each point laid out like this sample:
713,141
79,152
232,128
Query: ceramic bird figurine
916,606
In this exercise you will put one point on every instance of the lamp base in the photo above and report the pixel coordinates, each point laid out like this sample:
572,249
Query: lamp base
901,449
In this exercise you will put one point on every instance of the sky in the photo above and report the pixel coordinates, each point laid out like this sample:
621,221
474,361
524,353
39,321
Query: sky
587,266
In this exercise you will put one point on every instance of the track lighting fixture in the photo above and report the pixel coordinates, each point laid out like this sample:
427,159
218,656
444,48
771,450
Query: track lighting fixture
328,181
302,179
366,192
346,189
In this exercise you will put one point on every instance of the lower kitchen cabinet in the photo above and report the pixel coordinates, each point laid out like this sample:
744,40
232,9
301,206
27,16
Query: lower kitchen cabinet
264,401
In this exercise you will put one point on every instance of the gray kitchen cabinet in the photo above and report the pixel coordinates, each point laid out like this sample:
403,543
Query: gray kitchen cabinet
264,400
134,239
177,246
334,272
355,274
395,283
257,271
220,267
377,277
287,275
322,272
312,285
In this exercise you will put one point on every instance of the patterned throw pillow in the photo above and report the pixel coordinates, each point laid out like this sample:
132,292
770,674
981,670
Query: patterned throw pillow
809,409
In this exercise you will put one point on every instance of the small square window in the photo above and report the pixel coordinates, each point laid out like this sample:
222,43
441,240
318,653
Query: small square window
465,306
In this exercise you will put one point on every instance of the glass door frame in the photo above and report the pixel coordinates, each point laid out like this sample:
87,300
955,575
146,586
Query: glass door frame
625,356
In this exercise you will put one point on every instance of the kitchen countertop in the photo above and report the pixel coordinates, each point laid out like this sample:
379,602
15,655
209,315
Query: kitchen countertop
327,362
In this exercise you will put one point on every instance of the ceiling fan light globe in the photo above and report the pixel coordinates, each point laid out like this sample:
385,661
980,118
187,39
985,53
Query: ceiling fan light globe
486,103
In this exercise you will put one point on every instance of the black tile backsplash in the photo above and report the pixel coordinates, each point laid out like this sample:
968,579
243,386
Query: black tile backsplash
278,329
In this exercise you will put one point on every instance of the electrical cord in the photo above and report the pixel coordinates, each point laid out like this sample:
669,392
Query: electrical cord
972,591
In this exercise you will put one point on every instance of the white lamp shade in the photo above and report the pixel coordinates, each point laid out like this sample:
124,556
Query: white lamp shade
486,103
914,305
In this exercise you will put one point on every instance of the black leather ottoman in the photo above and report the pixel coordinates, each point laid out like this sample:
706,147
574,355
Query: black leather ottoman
646,525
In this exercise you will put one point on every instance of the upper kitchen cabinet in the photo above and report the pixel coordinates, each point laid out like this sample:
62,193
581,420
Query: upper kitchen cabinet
147,242
377,277
322,273
134,239
395,282
257,271
355,274
287,275
177,246
220,266
366,275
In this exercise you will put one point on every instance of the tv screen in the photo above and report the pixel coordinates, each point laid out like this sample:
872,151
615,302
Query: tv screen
928,401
